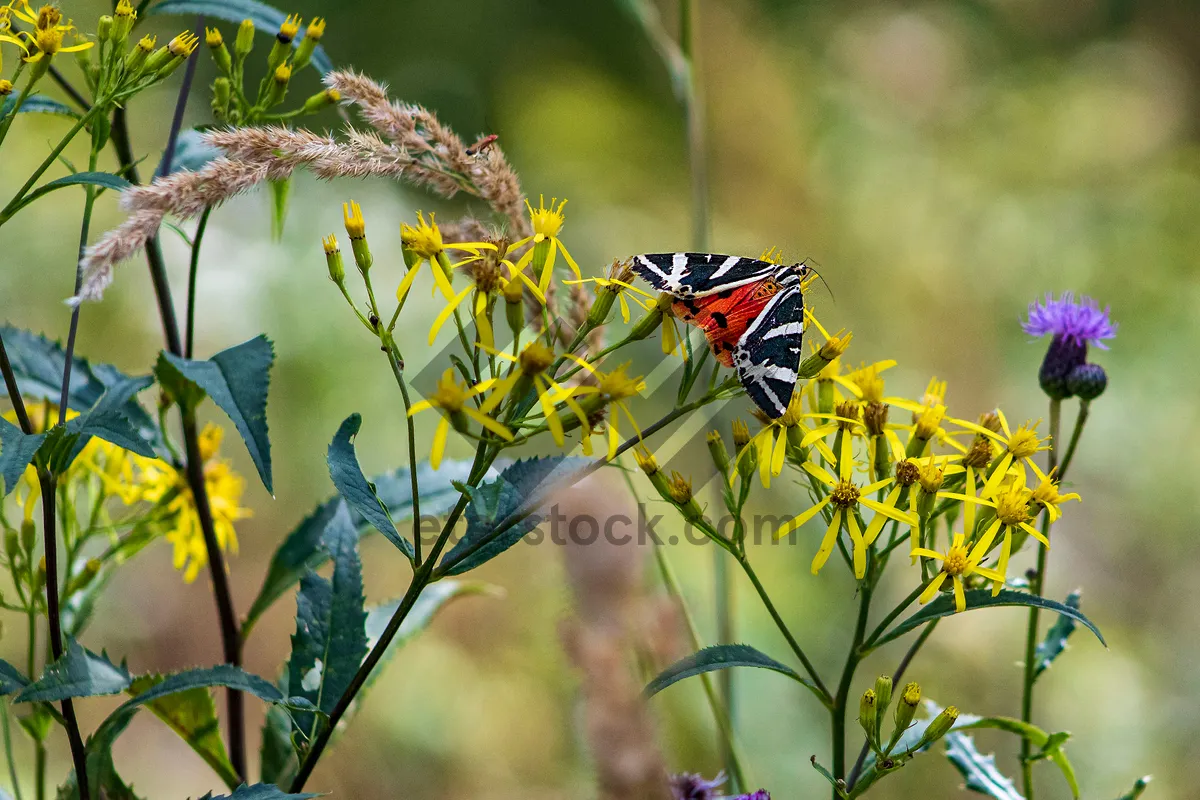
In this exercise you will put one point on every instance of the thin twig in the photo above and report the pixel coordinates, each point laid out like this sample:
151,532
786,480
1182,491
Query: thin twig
189,336
14,391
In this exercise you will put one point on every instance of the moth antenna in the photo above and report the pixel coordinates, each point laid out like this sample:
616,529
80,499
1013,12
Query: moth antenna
806,267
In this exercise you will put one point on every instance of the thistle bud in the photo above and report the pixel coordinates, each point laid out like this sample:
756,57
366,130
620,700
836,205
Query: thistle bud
322,100
1087,381
312,36
279,84
939,727
1064,354
333,259
244,42
104,28
222,94
220,53
716,449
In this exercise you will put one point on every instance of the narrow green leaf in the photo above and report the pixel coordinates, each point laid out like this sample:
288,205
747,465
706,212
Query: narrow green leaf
193,715
1050,743
37,104
978,770
721,656
301,549
277,759
280,190
267,19
352,485
1056,638
38,365
106,180
330,640
16,451
943,606
237,380
79,673
1139,786
259,791
827,775
11,679
495,500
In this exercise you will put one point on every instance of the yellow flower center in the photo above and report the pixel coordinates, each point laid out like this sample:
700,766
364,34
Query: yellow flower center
795,412
49,40
212,37
741,433
124,9
146,43
546,221
869,382
449,394
425,240
848,410
1024,442
980,454
955,562
680,488
536,358
844,494
931,477
289,28
356,226
929,421
907,472
6,87
1012,504
182,45
618,385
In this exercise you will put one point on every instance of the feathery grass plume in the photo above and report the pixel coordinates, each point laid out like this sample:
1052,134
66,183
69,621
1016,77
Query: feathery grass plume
611,616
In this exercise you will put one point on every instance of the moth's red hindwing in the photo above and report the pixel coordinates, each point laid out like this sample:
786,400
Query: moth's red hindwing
724,316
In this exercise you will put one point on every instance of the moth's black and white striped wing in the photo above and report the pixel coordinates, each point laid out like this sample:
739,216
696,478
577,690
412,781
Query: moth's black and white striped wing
767,357
699,274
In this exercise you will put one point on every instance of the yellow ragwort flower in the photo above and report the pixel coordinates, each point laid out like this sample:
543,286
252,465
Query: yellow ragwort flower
492,274
423,243
612,389
547,223
846,497
958,563
1020,447
451,397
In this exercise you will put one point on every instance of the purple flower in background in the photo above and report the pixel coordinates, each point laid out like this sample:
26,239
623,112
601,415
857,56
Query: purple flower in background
689,786
1074,324
1081,322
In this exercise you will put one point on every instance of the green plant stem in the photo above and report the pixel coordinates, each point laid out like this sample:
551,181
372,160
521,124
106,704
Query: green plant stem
14,391
8,751
69,352
838,711
821,691
1080,421
422,577
719,710
901,668
397,362
189,336
891,615
7,122
723,589
50,545
231,640
1036,587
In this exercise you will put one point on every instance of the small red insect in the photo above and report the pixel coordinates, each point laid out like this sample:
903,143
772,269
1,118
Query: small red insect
482,144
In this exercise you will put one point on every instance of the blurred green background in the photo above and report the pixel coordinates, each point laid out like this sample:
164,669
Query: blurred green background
945,164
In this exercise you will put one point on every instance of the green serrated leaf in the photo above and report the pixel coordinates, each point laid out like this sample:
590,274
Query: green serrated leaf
978,770
259,791
38,365
108,420
266,19
943,606
495,500
237,380
301,549
37,104
11,679
352,485
79,673
330,640
277,759
1056,638
722,656
193,716
16,452
280,190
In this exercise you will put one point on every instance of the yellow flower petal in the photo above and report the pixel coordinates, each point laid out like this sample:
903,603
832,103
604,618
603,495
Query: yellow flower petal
932,588
827,543
439,443
820,473
446,312
798,521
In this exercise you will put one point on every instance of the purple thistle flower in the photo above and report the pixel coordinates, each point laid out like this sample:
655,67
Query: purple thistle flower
1074,325
761,794
689,786
1080,322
